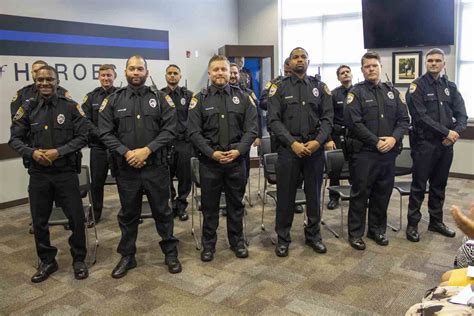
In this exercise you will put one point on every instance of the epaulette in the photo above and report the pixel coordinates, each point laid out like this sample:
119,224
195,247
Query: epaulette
204,91
389,85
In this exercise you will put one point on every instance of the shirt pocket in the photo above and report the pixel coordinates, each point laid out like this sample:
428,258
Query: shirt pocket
370,110
36,131
125,120
291,116
391,108
236,114
63,132
152,118
210,117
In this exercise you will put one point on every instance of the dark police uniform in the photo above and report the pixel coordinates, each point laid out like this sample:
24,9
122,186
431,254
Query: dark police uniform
222,119
372,111
263,105
435,106
338,97
28,92
183,150
133,118
98,157
48,124
299,110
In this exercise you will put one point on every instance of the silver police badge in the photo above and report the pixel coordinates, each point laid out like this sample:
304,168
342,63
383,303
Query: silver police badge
183,101
61,118
446,91
316,92
152,103
235,100
391,95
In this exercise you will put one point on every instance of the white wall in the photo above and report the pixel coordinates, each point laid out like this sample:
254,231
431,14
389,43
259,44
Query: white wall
198,26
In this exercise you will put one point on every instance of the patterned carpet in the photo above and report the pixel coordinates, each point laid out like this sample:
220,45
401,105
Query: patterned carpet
380,280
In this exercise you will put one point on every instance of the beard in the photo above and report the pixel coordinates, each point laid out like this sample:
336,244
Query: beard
300,70
136,83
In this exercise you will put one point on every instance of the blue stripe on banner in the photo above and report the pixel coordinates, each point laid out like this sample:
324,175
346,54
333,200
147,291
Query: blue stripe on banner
78,39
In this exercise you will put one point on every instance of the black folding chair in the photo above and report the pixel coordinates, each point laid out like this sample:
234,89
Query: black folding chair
403,166
264,148
340,170
269,172
58,218
335,164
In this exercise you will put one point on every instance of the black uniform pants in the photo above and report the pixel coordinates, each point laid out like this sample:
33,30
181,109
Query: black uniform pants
153,180
289,169
229,178
181,168
43,189
373,175
431,162
99,168
334,180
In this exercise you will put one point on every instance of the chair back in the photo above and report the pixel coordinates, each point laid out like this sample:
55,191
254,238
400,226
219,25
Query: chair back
84,181
403,163
265,146
195,171
335,164
269,167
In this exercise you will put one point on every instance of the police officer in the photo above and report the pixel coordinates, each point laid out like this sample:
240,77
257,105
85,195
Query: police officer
344,75
438,117
300,115
31,91
50,131
136,123
98,157
234,80
222,126
376,117
183,149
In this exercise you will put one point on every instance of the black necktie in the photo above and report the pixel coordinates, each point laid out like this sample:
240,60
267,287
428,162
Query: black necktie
304,124
383,129
137,112
443,119
49,128
223,121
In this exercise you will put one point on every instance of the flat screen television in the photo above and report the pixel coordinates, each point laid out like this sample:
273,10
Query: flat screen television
407,23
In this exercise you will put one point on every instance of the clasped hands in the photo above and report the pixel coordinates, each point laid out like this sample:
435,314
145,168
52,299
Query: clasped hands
305,149
136,158
225,157
45,157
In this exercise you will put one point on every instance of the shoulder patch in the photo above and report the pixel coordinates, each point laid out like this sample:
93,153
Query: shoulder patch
79,109
85,99
412,87
267,86
169,100
253,96
15,97
350,98
19,114
326,89
193,103
252,100
103,105
273,90
402,98
67,94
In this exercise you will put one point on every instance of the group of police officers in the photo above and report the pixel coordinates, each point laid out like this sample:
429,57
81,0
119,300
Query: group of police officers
148,136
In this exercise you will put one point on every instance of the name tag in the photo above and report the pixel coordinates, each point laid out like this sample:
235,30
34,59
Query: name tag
289,97
430,94
121,110
370,100
211,108
340,102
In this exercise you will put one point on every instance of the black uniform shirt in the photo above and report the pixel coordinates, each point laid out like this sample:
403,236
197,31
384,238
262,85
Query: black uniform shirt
300,110
46,124
181,98
369,118
204,119
338,96
134,118
90,106
28,92
436,106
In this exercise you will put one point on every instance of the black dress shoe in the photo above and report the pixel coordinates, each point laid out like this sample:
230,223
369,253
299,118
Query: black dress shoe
80,270
183,216
207,254
299,209
412,233
126,263
240,251
357,243
281,250
44,270
317,246
380,239
440,227
174,266
332,204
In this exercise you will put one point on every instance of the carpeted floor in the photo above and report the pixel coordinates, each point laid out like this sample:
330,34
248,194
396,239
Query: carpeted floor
380,280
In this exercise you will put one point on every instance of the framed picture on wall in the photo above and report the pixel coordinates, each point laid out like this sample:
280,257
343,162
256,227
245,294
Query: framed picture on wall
406,67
